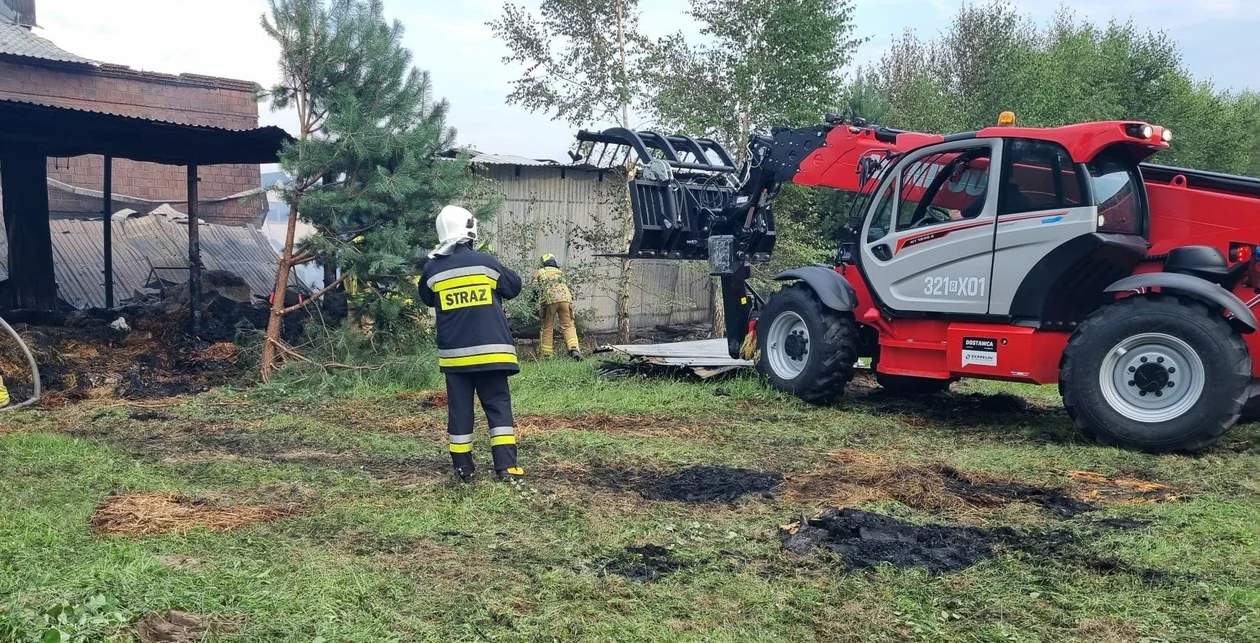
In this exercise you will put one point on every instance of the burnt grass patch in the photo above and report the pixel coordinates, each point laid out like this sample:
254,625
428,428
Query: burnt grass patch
697,484
711,484
865,540
1056,501
642,564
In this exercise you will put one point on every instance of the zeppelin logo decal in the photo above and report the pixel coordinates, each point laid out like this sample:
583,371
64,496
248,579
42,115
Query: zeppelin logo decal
980,351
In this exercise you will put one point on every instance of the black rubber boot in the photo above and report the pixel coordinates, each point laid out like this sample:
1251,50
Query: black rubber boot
513,475
466,475
573,352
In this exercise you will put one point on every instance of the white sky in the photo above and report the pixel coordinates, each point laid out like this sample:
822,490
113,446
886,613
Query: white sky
451,40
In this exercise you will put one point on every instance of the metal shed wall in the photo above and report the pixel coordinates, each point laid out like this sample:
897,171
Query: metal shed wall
557,205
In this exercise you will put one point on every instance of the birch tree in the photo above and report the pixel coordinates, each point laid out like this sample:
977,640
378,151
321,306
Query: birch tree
366,168
578,60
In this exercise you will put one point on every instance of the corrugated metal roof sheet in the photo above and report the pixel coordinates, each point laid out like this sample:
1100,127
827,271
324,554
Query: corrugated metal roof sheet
138,119
62,131
142,243
704,352
510,159
16,40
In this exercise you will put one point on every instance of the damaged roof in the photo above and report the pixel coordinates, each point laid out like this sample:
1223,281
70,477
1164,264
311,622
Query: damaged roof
483,158
16,40
143,243
71,131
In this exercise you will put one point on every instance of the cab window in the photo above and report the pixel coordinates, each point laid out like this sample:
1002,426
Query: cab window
1117,193
1039,176
945,187
882,220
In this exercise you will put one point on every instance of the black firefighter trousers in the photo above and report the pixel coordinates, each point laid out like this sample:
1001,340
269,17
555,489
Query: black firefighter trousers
496,399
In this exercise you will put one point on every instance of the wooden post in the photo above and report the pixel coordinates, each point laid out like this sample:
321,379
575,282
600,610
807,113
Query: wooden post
194,253
107,197
32,281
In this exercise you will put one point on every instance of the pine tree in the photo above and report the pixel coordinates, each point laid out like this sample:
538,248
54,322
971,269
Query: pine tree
366,167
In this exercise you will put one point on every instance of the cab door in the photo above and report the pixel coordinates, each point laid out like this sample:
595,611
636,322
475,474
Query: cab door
927,246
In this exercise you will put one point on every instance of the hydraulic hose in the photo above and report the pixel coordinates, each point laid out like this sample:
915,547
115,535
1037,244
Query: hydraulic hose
34,368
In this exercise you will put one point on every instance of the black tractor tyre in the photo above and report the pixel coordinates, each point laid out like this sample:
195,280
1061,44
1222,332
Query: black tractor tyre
907,386
1226,374
827,367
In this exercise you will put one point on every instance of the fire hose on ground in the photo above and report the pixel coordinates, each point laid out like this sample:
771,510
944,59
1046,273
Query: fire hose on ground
31,360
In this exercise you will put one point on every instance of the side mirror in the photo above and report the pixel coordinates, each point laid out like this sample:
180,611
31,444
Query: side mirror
867,168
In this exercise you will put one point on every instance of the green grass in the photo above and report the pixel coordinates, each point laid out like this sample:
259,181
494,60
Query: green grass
390,550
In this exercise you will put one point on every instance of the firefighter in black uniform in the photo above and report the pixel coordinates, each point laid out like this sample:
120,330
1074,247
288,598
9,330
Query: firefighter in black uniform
475,350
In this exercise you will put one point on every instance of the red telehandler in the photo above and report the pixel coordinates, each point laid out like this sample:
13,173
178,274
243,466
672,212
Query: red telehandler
1054,255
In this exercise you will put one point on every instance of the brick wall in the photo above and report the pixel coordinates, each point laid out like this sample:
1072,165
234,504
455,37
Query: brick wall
195,100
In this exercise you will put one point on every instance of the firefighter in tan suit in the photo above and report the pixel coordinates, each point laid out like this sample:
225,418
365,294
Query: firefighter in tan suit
556,300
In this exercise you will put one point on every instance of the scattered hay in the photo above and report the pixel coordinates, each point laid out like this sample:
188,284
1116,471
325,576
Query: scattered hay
433,426
285,494
82,358
1107,630
179,627
428,399
858,476
173,627
220,352
149,513
1127,490
434,400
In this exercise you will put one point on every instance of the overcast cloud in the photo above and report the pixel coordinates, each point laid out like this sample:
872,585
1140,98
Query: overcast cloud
451,40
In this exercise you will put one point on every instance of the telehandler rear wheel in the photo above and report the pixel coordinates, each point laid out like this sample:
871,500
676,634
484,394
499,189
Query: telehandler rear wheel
1156,373
807,349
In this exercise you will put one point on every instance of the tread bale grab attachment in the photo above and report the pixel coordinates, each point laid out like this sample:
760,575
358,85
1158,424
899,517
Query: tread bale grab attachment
691,202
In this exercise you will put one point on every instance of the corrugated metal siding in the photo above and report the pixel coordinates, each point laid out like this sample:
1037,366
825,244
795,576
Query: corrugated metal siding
567,202
142,243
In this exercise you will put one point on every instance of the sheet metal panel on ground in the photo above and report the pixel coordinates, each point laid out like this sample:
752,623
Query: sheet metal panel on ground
706,357
142,243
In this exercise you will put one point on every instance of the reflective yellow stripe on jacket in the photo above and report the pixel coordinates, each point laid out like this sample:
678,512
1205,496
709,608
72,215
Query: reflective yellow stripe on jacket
469,280
467,271
478,355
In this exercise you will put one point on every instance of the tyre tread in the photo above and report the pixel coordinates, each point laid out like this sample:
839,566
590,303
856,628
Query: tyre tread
839,348
1104,316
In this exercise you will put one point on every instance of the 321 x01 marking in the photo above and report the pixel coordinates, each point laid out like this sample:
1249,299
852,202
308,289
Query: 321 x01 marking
955,286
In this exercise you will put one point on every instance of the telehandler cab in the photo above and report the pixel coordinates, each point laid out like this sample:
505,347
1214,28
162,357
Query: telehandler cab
1009,253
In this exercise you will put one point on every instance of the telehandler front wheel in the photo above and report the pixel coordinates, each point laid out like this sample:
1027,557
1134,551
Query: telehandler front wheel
1155,373
807,349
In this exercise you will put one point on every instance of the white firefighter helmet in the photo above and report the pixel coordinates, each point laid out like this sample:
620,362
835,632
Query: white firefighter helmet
455,224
